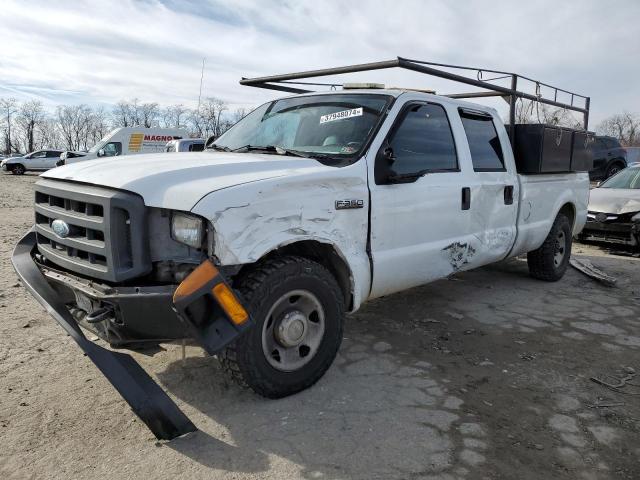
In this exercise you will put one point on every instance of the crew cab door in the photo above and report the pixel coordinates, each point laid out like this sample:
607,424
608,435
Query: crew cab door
419,228
494,187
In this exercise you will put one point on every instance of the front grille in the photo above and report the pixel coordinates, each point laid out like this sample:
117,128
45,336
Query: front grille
106,230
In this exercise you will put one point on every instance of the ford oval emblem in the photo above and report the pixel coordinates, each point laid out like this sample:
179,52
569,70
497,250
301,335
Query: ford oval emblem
60,228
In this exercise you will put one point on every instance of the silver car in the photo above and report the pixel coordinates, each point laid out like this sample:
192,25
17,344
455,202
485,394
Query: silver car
614,209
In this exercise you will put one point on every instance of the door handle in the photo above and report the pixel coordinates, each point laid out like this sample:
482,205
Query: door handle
508,194
466,198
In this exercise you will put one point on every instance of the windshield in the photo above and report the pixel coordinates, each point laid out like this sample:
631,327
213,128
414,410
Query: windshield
338,125
627,178
102,142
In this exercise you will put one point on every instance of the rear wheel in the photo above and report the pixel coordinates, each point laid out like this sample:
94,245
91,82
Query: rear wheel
550,261
298,309
18,169
613,169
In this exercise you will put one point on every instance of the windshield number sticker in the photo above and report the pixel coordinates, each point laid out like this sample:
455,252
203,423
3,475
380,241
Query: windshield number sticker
332,117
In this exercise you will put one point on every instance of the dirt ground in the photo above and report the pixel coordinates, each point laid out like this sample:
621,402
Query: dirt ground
485,375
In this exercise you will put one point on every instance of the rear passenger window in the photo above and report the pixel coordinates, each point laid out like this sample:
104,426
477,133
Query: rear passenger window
423,141
484,144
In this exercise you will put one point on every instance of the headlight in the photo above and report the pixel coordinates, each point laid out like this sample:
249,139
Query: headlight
187,229
636,217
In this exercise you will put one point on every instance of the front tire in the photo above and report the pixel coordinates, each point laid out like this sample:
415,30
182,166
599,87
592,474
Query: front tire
550,261
298,309
18,170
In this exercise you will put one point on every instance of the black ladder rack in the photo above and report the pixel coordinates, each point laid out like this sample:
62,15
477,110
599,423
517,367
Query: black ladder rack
285,82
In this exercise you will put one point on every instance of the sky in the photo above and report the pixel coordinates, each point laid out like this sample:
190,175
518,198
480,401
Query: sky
100,52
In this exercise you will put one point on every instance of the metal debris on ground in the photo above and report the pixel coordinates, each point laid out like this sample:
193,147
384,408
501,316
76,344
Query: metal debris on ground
586,267
620,384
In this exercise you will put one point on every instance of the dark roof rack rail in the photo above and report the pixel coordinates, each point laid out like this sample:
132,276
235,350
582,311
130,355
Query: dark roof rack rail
285,82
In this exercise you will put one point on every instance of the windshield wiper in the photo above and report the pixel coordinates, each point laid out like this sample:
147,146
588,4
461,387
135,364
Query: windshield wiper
283,151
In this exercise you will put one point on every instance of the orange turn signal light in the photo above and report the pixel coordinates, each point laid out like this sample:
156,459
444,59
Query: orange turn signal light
229,302
203,274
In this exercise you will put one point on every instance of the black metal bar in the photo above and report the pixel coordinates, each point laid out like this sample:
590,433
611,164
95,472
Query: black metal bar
144,396
587,104
455,66
479,83
427,68
512,111
475,95
363,67
282,88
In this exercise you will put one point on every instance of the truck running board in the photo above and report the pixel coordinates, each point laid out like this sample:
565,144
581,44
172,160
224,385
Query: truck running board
140,391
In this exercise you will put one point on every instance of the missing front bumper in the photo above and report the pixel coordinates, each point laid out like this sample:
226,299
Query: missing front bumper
209,325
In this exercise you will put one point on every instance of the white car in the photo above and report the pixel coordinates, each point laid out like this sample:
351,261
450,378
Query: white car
37,161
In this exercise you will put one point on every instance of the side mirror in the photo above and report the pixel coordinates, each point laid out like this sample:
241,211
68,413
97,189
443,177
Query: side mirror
101,152
384,159
386,153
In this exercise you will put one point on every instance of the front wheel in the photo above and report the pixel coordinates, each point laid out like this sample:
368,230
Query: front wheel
298,309
550,261
18,170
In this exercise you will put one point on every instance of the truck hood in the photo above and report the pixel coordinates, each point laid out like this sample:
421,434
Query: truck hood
179,180
614,200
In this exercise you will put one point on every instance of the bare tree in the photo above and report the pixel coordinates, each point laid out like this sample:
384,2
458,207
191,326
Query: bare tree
208,120
127,113
535,112
239,114
149,115
74,122
98,127
624,126
9,107
175,116
30,116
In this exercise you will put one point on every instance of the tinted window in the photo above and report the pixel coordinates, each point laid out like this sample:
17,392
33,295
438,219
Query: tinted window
53,153
423,141
484,144
196,147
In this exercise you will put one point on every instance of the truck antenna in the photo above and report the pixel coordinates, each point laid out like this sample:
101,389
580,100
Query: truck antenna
201,78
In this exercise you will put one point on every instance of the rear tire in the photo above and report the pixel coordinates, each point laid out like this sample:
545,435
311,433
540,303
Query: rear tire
613,169
550,261
18,170
298,309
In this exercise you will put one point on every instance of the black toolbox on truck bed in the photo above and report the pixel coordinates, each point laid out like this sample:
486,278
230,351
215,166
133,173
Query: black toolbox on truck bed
543,148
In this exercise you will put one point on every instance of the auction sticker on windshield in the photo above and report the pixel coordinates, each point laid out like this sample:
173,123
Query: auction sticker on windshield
331,117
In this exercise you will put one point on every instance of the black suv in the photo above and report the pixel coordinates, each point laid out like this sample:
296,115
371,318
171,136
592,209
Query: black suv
609,157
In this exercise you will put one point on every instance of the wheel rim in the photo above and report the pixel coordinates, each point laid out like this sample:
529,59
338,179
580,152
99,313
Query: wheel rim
293,330
19,170
560,248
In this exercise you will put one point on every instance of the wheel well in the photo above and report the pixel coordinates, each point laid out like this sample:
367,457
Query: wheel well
324,254
570,211
617,161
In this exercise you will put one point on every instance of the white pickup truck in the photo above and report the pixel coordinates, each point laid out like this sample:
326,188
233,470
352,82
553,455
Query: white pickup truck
304,210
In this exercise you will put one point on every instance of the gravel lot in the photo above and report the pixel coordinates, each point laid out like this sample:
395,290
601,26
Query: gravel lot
485,375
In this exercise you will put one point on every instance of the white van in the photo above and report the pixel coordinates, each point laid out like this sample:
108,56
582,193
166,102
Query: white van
185,145
128,141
